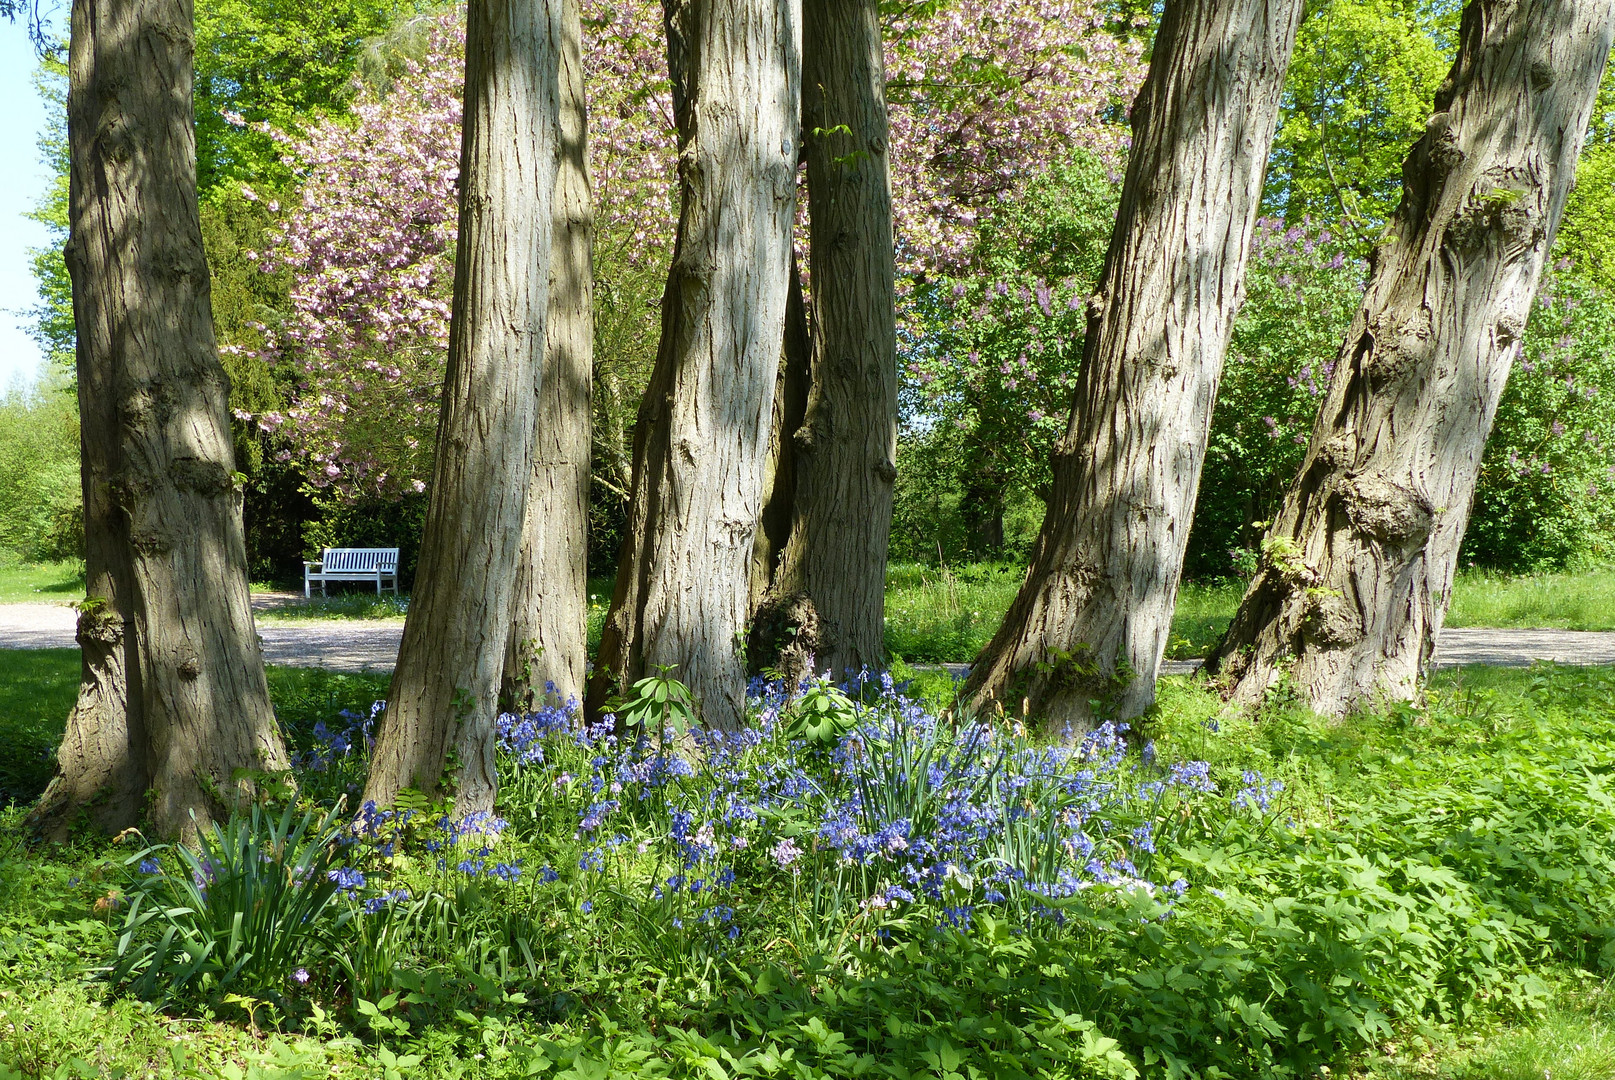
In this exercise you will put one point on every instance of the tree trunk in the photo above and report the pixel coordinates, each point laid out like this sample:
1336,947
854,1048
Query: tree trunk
829,593
702,438
779,468
173,703
1087,631
446,685
1357,567
982,508
548,634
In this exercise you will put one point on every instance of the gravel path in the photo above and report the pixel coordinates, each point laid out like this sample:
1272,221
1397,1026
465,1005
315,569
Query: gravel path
363,645
337,644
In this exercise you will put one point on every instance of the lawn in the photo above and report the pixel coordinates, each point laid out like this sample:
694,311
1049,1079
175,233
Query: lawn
945,615
37,688
1424,894
40,583
1583,600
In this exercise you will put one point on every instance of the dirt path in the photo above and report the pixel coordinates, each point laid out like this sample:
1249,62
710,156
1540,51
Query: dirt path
362,645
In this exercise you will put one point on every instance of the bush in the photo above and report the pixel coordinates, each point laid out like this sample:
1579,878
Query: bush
41,508
1546,497
918,894
989,363
1301,293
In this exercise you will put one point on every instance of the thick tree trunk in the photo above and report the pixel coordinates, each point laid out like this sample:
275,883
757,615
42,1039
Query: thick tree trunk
827,603
1091,621
173,703
779,467
445,689
1357,567
702,438
549,625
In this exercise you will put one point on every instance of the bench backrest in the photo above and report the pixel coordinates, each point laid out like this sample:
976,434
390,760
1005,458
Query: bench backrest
360,560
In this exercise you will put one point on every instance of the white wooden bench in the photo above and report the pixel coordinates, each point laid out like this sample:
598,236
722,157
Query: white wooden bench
353,564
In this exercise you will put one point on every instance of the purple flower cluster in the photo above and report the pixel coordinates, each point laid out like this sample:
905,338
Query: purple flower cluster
333,744
522,736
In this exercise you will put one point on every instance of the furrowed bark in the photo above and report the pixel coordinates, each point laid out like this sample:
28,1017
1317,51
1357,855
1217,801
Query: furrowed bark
704,425
1091,621
825,610
173,705
779,467
548,643
1358,565
445,688
101,767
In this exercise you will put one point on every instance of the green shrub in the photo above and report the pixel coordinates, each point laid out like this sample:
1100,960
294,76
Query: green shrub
41,509
1546,498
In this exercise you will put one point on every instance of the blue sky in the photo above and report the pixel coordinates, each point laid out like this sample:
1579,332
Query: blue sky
22,180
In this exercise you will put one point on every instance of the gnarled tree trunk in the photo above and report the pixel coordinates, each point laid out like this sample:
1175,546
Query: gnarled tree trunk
702,439
445,689
1357,568
550,608
173,703
1091,621
827,603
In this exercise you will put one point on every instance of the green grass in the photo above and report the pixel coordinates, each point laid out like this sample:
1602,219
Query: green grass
37,688
1582,600
945,615
1574,1039
341,605
40,583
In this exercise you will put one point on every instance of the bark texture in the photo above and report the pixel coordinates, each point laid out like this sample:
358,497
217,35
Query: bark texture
1091,621
826,607
550,609
779,467
1358,565
173,705
445,689
704,425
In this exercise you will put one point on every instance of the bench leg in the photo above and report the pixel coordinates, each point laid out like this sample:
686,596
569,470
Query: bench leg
305,583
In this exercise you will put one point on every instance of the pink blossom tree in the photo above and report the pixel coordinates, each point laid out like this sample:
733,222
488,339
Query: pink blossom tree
982,99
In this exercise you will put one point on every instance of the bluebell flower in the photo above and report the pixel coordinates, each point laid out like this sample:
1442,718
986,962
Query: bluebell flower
347,878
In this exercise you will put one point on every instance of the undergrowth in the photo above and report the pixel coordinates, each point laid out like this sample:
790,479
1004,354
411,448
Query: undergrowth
864,890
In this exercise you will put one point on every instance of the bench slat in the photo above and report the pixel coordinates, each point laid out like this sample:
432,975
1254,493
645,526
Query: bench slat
354,564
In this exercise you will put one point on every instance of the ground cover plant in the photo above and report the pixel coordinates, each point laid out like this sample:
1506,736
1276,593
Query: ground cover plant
864,884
